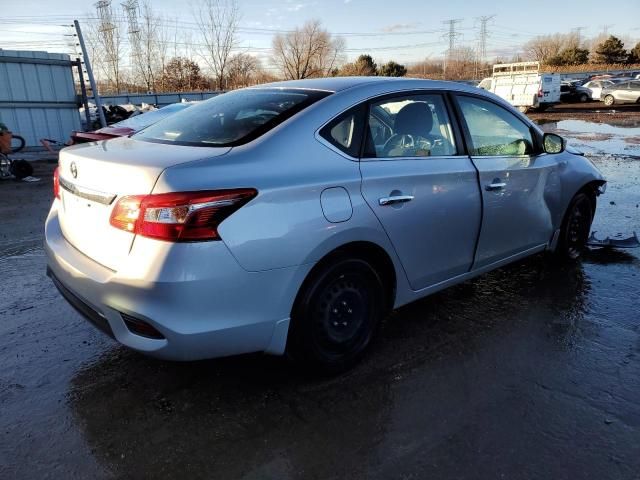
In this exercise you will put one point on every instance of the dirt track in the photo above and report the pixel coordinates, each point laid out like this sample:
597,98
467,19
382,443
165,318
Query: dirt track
621,115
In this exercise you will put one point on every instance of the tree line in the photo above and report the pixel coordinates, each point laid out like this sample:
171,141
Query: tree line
165,59
155,55
567,49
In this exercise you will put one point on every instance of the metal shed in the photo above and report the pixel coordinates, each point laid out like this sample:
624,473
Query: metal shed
37,95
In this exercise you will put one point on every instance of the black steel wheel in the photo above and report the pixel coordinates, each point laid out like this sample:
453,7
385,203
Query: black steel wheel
336,315
575,227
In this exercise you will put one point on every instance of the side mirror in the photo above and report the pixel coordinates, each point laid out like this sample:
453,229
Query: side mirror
553,143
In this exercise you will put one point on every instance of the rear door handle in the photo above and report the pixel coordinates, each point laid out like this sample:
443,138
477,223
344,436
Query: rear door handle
495,186
395,199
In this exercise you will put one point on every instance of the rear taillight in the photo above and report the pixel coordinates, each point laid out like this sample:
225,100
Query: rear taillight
540,93
56,182
179,217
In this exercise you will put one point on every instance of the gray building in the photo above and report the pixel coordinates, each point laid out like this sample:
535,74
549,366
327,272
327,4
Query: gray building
37,95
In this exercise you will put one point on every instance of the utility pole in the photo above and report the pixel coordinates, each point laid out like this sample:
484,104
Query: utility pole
451,35
92,80
482,40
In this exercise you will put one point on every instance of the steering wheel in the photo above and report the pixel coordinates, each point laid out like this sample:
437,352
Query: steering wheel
409,146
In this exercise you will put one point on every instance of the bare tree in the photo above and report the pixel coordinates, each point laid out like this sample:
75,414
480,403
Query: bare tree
218,23
306,52
544,47
243,70
149,46
144,27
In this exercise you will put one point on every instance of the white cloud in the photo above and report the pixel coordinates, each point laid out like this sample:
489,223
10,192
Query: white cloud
399,26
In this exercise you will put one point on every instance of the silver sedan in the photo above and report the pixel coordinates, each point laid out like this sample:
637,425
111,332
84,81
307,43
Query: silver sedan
623,92
293,217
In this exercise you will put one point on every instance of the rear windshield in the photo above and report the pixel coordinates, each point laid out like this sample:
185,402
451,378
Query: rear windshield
230,119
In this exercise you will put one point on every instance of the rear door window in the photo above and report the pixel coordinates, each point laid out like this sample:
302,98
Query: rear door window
232,118
409,126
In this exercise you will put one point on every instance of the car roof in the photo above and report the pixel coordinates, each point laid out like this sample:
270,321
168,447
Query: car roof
337,84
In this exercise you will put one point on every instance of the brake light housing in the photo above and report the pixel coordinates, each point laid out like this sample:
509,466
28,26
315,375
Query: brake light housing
56,183
180,216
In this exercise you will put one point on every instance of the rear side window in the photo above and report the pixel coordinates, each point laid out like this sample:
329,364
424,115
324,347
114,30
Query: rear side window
494,131
345,131
232,118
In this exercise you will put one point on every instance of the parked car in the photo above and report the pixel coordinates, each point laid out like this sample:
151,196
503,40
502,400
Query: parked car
572,92
624,92
293,216
629,74
130,125
596,86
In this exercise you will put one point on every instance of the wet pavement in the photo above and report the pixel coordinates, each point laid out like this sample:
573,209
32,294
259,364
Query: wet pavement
531,371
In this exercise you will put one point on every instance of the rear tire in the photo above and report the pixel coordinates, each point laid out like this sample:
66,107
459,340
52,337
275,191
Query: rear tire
584,98
336,315
523,109
576,226
609,100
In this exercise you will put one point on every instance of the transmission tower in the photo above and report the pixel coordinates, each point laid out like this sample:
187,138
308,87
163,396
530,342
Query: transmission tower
105,16
130,8
108,41
605,28
578,32
451,34
481,56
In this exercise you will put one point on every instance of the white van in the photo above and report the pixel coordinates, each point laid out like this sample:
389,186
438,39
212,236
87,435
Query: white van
522,85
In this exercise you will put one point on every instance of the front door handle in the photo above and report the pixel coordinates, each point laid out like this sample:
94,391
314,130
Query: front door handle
495,186
394,199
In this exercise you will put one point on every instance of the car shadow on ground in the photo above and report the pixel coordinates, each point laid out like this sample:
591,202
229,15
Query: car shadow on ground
259,415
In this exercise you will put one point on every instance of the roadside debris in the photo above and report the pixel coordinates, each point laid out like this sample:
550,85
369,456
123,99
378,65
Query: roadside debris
629,242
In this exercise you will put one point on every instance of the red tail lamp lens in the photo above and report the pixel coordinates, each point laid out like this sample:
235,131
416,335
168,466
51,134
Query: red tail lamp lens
179,217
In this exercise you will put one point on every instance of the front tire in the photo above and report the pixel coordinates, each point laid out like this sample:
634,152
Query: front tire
584,98
576,226
523,109
336,315
609,100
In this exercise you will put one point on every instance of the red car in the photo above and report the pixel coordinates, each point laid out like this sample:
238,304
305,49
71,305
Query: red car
130,125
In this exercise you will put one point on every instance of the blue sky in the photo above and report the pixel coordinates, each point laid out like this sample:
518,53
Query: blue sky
404,30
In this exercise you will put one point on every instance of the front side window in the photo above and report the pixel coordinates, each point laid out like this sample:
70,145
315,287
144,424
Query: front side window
409,126
232,118
494,131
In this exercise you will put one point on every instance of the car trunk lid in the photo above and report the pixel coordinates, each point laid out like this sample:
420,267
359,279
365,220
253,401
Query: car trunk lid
94,176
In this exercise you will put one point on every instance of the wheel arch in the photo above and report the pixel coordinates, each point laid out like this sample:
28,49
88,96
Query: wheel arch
592,189
366,250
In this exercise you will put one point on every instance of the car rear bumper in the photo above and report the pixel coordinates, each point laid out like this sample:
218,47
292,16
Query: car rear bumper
196,295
